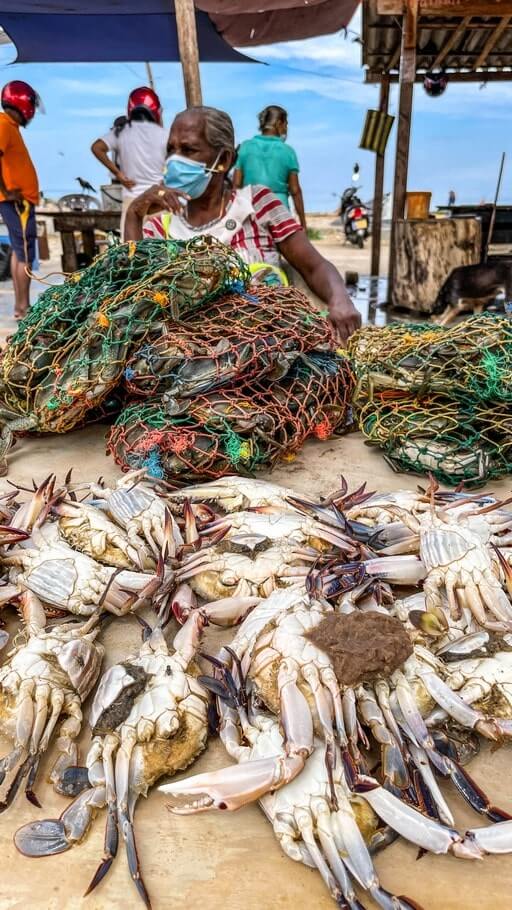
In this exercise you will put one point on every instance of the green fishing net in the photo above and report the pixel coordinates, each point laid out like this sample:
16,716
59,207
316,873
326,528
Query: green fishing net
437,399
72,347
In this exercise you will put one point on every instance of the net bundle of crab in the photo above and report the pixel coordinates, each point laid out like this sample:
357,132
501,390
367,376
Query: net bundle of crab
239,427
168,322
434,399
65,364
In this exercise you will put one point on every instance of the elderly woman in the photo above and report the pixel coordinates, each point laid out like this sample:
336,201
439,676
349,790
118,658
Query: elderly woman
198,199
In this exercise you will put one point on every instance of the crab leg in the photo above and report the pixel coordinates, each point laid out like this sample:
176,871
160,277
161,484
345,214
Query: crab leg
55,835
340,834
235,786
493,728
413,826
304,822
126,775
111,842
420,759
397,570
393,765
471,792
492,839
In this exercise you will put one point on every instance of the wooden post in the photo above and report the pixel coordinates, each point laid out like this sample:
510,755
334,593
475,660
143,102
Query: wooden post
403,133
378,191
189,53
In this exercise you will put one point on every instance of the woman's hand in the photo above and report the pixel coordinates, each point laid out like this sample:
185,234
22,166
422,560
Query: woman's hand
343,318
157,198
125,181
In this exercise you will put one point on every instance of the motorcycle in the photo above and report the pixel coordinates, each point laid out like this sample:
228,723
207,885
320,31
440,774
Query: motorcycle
354,217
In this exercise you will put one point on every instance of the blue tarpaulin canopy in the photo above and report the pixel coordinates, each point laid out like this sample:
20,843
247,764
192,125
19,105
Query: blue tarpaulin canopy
96,31
82,31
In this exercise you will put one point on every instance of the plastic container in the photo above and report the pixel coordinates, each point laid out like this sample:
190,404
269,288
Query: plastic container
112,197
418,205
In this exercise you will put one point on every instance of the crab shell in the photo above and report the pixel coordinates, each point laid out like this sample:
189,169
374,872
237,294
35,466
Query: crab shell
257,574
133,693
234,494
58,658
88,530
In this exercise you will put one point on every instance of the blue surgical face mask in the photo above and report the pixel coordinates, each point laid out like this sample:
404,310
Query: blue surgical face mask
189,176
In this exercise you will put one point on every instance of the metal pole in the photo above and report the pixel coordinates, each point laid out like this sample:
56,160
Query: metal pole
149,71
379,187
189,53
493,213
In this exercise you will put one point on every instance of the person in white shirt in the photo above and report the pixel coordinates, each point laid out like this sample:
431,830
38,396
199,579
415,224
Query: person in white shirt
135,153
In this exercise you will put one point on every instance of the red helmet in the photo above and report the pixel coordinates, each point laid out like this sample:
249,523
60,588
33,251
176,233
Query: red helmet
146,99
22,97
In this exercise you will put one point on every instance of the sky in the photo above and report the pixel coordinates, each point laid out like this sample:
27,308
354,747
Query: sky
457,139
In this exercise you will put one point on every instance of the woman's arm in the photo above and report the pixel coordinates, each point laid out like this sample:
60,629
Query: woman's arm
325,281
156,199
295,191
100,151
238,178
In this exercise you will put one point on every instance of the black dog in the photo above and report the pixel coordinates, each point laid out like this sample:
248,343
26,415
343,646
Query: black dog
473,283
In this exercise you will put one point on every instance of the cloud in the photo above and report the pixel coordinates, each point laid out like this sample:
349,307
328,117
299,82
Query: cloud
333,50
104,87
343,90
328,50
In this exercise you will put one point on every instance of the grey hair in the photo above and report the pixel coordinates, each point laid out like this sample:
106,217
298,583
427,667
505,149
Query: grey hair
271,115
219,131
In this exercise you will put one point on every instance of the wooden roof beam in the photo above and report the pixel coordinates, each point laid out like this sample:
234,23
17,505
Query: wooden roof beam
451,42
372,78
492,41
447,7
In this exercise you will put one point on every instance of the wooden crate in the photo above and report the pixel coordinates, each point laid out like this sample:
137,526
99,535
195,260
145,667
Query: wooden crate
425,254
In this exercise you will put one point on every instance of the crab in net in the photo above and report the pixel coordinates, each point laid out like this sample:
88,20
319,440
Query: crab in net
235,429
240,335
472,357
433,398
67,356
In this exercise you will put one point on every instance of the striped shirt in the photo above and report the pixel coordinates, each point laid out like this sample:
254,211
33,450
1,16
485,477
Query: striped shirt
267,225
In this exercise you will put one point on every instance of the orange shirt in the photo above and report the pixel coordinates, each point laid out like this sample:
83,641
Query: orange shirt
18,170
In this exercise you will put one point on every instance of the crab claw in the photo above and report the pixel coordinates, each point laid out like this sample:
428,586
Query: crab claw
42,838
9,535
507,569
232,787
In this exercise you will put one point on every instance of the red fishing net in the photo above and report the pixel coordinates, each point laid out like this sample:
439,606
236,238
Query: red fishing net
236,429
257,333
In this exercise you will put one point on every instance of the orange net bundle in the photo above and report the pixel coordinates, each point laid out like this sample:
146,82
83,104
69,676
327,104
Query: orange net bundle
257,333
235,429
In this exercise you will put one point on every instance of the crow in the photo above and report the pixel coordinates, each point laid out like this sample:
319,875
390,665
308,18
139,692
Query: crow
85,185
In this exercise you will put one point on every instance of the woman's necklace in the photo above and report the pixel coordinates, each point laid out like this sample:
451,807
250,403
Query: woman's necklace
222,210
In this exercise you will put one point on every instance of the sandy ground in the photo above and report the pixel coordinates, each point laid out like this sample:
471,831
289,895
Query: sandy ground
231,861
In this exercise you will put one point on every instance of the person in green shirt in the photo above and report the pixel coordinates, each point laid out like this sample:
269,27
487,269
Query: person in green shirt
268,160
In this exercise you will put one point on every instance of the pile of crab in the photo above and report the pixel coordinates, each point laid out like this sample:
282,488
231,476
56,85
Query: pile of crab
372,652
